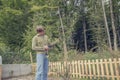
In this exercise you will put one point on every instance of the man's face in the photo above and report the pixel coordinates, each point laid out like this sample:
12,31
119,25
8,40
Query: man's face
41,31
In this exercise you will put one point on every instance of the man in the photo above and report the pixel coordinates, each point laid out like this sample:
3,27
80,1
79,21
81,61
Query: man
40,45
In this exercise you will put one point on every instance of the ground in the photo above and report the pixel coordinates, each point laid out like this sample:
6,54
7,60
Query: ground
29,77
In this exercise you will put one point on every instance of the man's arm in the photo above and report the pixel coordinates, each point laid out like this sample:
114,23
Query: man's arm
53,43
35,47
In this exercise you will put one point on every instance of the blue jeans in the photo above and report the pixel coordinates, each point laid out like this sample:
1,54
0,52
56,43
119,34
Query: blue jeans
42,67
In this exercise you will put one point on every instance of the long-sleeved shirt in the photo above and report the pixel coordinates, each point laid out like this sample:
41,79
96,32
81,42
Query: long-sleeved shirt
38,43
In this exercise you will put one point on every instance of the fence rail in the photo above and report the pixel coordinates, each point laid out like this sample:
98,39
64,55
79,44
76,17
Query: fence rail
108,69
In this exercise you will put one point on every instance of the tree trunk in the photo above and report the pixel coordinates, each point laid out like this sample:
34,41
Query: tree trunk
106,25
85,38
113,27
64,40
84,27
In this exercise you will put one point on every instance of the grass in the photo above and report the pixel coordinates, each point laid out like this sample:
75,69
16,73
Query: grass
91,55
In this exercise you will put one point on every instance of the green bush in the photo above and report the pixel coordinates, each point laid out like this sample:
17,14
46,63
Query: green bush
92,55
14,57
74,55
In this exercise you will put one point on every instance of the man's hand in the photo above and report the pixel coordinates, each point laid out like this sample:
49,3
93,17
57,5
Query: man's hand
46,48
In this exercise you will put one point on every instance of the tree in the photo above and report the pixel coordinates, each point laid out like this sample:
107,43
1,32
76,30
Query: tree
113,27
106,25
13,21
96,31
64,40
84,26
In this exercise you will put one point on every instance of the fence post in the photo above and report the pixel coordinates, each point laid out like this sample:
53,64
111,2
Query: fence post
82,68
119,65
102,69
106,68
116,68
79,68
90,71
73,68
94,69
86,69
111,68
0,68
76,69
98,68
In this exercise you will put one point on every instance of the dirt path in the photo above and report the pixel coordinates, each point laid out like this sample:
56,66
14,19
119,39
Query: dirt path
29,77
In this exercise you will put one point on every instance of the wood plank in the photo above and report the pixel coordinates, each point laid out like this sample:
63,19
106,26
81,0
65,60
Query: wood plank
70,67
102,69
55,68
111,69
94,69
79,68
58,69
59,64
76,67
61,70
98,67
119,67
116,68
73,68
62,67
0,72
89,66
51,65
106,68
86,68
82,66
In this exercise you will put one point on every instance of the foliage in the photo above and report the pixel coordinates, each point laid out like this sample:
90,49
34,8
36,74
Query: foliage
91,55
13,21
81,18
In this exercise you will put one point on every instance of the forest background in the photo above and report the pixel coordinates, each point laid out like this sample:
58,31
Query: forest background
87,29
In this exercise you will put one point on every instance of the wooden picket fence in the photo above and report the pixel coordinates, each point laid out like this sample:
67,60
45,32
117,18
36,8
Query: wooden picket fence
107,69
